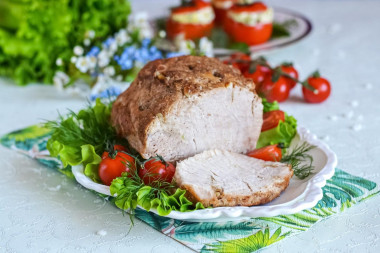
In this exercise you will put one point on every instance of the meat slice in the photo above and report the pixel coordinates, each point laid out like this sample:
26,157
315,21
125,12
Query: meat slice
182,106
221,178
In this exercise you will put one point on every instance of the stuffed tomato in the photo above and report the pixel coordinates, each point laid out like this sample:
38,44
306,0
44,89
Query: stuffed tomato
221,8
193,20
249,23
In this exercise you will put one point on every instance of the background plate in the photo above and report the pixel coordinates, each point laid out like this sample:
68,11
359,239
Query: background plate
300,194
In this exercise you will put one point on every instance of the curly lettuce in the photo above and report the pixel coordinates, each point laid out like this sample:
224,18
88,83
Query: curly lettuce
283,133
129,193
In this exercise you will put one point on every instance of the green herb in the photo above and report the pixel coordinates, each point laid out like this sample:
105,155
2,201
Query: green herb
301,161
283,133
34,33
239,46
131,191
282,29
82,137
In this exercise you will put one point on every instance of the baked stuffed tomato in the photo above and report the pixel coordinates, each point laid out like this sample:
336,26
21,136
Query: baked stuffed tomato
249,23
220,8
194,20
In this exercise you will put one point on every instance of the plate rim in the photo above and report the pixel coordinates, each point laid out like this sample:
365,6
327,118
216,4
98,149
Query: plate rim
311,195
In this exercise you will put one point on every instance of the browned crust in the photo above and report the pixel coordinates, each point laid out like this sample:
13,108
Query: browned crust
254,199
161,83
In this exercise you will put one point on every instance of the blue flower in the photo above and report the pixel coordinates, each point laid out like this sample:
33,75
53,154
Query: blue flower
174,54
145,43
94,51
107,43
112,91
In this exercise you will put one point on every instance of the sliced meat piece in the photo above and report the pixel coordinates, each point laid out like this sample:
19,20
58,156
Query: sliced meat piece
221,178
182,106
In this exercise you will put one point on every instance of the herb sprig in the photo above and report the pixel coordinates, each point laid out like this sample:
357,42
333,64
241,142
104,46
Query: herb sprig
301,161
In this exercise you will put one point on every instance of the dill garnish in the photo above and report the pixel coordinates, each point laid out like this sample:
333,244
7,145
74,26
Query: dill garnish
301,161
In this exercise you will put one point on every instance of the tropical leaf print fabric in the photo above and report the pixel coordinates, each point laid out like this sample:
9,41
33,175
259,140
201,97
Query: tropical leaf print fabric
342,191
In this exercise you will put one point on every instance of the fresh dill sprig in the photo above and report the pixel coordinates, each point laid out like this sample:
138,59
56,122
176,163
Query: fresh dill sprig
300,160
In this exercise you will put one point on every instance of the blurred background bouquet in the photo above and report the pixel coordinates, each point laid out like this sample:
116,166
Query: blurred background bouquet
85,47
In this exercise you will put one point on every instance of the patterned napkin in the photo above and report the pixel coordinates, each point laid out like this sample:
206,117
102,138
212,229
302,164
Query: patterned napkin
342,191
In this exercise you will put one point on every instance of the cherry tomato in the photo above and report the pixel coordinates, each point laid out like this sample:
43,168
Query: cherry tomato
251,35
190,31
156,170
291,71
111,168
239,61
115,147
322,92
275,91
269,153
272,119
260,74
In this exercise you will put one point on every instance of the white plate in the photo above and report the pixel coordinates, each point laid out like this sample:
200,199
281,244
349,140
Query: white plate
297,33
300,194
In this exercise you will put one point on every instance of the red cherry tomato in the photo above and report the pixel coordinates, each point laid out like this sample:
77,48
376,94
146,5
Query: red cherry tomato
111,168
260,74
269,153
272,119
190,31
251,35
322,92
115,147
156,170
239,61
275,91
291,71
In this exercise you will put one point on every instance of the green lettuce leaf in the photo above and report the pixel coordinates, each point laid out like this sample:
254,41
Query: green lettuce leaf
130,193
283,133
268,106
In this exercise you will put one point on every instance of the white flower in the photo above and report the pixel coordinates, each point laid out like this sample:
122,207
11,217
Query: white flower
87,42
139,21
91,34
78,50
122,37
119,78
109,71
73,59
83,64
59,62
206,47
113,47
103,58
184,46
91,62
60,79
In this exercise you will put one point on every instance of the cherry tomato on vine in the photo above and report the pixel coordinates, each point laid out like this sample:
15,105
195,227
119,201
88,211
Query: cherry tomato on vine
259,75
112,167
269,153
239,61
272,119
116,148
275,91
156,170
322,90
291,71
